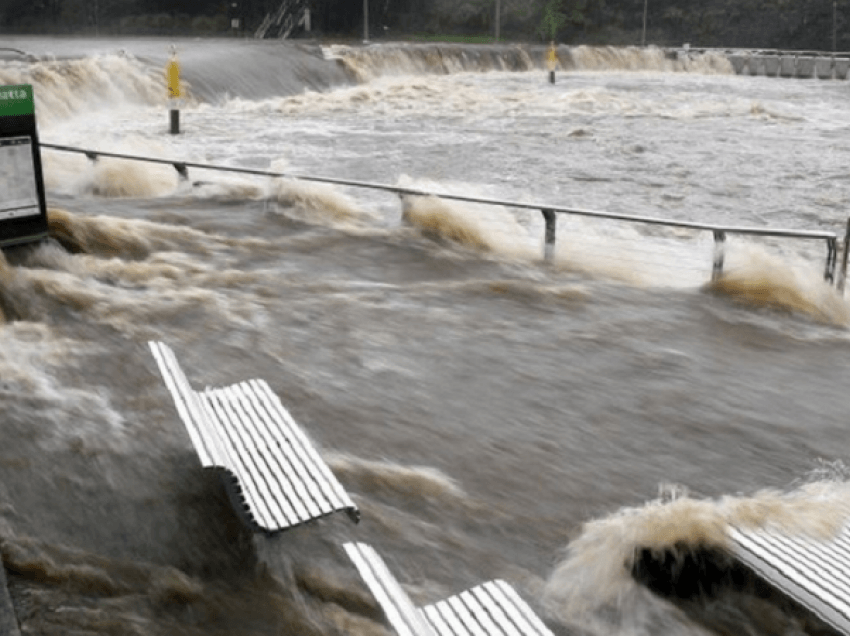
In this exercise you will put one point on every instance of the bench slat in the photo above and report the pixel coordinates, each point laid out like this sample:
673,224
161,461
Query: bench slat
324,478
491,609
775,558
185,409
478,609
519,608
493,602
792,567
244,464
288,491
301,468
433,617
808,557
278,479
455,614
466,617
447,619
196,415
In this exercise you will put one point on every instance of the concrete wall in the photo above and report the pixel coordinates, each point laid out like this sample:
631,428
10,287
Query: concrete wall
780,64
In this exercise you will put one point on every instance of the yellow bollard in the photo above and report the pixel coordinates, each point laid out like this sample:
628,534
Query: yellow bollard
172,77
552,61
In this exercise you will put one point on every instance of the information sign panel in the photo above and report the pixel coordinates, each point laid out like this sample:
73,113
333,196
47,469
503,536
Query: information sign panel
23,210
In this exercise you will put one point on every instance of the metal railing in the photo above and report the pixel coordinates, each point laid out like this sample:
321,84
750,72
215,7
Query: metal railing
549,212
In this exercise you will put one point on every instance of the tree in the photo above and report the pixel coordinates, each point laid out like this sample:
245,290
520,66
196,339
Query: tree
553,20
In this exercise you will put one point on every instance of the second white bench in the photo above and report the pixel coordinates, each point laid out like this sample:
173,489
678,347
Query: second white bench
490,609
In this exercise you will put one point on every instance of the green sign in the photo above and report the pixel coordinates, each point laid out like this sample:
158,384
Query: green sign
16,100
23,207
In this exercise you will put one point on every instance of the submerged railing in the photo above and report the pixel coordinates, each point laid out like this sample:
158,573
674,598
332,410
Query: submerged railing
719,232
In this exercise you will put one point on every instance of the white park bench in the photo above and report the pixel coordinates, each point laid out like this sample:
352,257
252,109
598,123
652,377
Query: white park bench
812,571
490,609
275,475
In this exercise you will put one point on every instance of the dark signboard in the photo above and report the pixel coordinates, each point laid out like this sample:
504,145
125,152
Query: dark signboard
23,210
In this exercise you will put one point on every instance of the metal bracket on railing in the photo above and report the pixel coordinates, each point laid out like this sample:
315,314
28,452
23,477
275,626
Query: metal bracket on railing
182,170
92,156
842,275
719,254
831,257
549,241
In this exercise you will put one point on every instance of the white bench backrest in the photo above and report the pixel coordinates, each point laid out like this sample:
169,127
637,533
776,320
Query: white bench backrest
815,573
281,480
491,609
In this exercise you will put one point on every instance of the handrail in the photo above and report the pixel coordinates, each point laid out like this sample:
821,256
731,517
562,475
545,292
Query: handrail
719,231
18,51
808,234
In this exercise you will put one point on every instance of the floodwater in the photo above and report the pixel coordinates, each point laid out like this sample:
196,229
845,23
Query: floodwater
493,415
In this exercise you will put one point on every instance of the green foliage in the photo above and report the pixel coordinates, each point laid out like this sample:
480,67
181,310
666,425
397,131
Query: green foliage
553,20
786,24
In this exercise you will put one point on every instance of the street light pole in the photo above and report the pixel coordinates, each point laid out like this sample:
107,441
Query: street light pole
834,25
498,17
365,21
643,35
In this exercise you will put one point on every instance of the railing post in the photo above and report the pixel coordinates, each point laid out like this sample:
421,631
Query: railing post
719,254
831,257
842,275
549,241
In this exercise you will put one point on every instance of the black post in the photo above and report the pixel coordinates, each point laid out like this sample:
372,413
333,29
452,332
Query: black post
549,243
175,121
831,258
719,254
842,275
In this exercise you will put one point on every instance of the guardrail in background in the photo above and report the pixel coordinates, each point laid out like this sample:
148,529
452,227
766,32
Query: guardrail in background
549,212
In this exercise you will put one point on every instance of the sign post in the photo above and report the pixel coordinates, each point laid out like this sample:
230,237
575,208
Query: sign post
552,61
172,75
23,207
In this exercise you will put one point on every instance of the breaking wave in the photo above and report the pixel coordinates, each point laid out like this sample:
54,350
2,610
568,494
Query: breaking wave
651,58
483,228
678,546
382,476
108,236
76,175
761,279
316,202
368,63
126,273
80,87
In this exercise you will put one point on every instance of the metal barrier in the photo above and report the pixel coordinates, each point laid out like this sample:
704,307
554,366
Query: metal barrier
549,212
